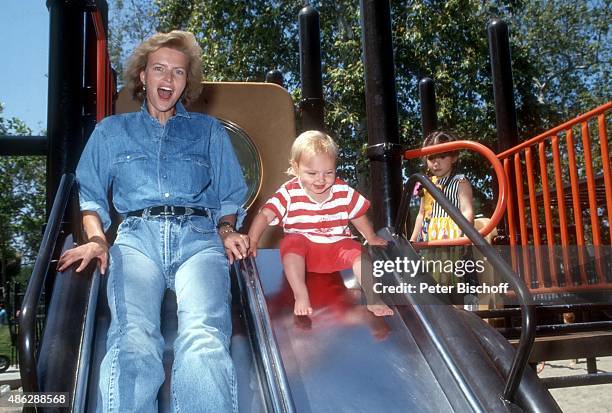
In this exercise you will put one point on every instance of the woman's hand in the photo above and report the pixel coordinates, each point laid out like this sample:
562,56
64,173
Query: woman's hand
95,249
236,245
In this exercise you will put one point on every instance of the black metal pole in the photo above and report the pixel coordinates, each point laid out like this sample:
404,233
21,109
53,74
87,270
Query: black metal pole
503,93
275,76
23,145
311,78
65,106
503,90
381,110
429,116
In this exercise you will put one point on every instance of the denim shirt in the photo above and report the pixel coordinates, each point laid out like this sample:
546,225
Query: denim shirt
189,161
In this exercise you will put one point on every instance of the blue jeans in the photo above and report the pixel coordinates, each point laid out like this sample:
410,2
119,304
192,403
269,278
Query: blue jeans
186,255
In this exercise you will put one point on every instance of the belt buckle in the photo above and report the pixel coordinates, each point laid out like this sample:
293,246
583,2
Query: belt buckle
168,210
189,211
163,213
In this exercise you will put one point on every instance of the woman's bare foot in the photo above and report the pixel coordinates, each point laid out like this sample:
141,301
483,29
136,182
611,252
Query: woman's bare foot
302,306
380,310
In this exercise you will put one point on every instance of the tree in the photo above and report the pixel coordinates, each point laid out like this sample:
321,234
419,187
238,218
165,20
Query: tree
130,22
22,203
568,46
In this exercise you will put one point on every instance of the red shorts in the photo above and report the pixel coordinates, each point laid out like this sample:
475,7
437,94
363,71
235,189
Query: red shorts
322,258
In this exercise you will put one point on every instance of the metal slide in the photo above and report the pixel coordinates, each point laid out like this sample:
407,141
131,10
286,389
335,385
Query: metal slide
342,359
424,358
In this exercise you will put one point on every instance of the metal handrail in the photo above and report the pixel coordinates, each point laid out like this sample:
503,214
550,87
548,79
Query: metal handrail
527,337
27,318
502,182
281,399
23,145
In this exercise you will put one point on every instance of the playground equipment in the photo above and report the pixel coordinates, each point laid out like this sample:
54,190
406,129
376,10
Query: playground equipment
437,359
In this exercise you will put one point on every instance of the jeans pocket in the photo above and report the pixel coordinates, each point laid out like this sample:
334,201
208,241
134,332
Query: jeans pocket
128,224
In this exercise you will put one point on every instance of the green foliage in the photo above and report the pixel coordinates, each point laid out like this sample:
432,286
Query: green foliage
22,204
131,22
241,41
567,46
560,51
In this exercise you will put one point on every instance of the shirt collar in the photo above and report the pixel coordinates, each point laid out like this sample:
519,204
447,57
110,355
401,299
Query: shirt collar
180,110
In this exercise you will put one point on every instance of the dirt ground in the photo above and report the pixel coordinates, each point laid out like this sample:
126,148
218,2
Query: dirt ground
591,399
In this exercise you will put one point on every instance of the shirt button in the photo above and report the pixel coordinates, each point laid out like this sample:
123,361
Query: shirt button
164,157
128,157
167,195
165,176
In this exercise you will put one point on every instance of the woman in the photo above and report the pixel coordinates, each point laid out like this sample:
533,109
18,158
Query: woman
176,180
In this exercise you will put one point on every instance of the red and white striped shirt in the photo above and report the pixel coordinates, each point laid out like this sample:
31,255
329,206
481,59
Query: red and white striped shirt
324,222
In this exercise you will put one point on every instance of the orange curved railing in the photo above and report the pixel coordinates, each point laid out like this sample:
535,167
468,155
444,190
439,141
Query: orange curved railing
502,181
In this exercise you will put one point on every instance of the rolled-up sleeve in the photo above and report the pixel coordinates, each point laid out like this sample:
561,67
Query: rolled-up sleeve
228,179
93,176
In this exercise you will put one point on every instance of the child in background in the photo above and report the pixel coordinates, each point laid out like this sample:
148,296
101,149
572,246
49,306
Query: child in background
315,208
432,222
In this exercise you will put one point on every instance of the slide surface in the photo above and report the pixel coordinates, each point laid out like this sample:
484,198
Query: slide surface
344,358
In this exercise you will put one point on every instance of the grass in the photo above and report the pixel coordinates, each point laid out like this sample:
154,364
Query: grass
5,341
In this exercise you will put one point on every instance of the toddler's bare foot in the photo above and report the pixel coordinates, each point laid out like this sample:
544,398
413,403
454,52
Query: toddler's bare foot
302,306
380,310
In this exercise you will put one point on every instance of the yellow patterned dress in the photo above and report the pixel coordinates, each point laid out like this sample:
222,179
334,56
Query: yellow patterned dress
437,225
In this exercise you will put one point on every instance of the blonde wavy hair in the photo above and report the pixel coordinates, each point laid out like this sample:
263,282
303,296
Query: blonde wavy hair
310,143
184,42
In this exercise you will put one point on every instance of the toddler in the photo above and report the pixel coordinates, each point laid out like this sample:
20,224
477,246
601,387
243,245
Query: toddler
315,208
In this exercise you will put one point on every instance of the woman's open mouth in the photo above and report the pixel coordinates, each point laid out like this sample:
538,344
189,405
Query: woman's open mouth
164,93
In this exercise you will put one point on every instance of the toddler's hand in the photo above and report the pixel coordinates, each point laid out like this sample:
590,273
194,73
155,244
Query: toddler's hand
253,247
376,240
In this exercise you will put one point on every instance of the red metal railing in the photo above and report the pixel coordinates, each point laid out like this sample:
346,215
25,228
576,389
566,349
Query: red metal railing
562,203
104,80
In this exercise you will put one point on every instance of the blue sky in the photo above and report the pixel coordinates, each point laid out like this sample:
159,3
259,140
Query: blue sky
24,30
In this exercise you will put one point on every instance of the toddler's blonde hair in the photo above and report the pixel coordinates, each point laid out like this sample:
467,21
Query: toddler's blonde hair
310,143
